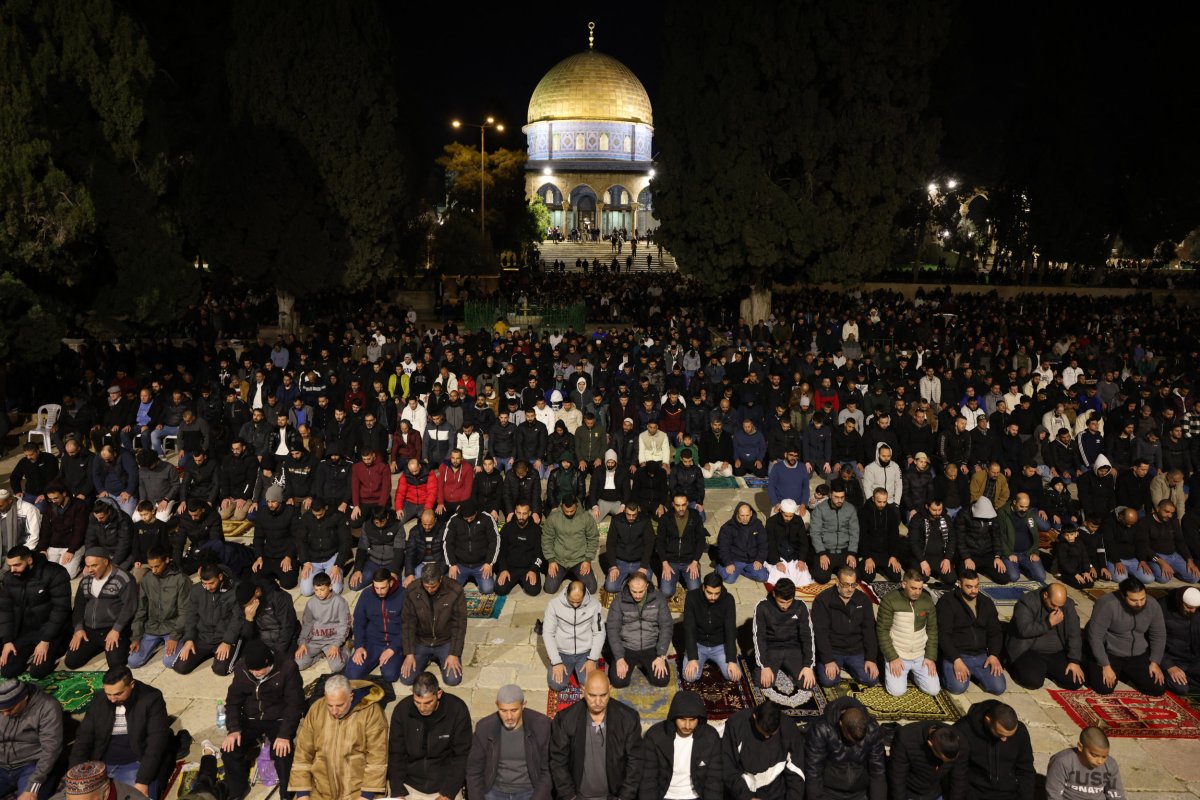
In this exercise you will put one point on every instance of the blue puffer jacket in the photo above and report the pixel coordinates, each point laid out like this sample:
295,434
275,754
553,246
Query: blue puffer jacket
377,620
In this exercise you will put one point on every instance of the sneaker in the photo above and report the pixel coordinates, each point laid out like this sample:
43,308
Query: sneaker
209,748
537,627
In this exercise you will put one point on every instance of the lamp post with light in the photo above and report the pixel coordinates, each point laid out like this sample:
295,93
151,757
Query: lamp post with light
936,195
490,122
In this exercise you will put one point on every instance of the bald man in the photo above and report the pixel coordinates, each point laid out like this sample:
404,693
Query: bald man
596,746
1045,640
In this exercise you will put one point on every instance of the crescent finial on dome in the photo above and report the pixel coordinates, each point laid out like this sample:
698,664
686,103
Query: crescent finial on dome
591,35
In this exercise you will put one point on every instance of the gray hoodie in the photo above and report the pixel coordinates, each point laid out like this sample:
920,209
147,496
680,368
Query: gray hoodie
1113,631
326,622
34,735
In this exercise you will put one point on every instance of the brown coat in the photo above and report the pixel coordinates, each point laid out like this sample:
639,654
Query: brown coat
339,759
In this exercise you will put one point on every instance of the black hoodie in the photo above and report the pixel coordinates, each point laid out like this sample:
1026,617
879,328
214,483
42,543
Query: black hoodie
658,754
996,770
747,754
916,773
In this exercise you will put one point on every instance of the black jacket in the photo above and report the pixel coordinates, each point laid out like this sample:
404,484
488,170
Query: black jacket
319,540
193,534
150,735
962,633
915,773
670,546
471,542
787,541
776,632
843,628
200,482
488,490
425,546
239,476
709,624
213,618
688,481
331,480
575,484
1183,632
630,541
931,538
115,535
879,532
279,696
275,533
650,488
1030,620
658,753
996,770
36,605
520,549
623,751
485,754
977,539
299,476
382,546
831,763
522,490
530,441
745,753
429,753
275,621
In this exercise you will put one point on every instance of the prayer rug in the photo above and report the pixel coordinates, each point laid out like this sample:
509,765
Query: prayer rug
675,603
809,591
753,482
651,702
1130,714
1007,596
801,703
186,774
720,483
73,690
912,706
232,528
1096,592
722,698
483,606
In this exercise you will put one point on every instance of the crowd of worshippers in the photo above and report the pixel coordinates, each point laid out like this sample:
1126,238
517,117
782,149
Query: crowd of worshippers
340,745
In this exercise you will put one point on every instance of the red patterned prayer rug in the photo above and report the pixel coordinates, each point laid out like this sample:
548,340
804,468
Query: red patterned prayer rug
1131,714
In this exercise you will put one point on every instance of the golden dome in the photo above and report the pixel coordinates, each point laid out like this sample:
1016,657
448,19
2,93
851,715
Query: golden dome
590,85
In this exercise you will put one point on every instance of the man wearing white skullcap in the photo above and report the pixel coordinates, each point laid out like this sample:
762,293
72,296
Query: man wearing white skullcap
1181,661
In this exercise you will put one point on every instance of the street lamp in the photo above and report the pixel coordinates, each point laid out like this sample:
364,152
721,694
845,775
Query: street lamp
490,122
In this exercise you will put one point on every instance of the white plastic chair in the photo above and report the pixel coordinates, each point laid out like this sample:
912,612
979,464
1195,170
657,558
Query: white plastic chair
46,418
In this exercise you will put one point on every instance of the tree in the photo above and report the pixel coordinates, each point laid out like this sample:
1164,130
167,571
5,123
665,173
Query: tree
311,95
511,221
790,134
82,178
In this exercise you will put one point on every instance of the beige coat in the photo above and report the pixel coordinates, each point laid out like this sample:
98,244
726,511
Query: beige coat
339,759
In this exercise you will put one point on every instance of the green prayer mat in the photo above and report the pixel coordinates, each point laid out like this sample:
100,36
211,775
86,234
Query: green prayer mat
73,690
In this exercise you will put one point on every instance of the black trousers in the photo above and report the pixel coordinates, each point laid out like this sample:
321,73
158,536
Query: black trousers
20,660
94,646
519,578
1133,670
1032,670
836,560
239,761
274,568
643,660
986,566
881,568
202,653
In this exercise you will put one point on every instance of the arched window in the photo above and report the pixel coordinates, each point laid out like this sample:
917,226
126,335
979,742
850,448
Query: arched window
604,141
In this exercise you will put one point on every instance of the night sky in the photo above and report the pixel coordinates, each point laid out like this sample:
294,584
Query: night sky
493,65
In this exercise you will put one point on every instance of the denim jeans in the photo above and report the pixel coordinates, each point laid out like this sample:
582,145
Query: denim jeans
492,794
306,584
678,572
1036,570
368,572
389,671
127,773
486,585
1177,562
574,663
715,654
424,654
1131,568
992,684
624,570
146,647
157,436
744,568
896,686
14,779
856,665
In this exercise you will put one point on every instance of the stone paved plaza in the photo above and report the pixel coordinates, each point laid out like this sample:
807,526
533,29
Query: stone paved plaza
506,650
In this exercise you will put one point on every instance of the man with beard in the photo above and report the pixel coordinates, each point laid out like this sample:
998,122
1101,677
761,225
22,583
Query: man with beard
1182,658
1044,639
35,613
844,631
429,743
710,630
682,754
1126,640
510,751
969,638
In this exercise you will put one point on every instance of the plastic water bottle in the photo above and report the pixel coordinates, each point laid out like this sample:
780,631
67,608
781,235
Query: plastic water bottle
220,715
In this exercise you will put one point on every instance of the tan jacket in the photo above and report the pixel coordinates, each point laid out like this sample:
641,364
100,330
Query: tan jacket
979,481
339,759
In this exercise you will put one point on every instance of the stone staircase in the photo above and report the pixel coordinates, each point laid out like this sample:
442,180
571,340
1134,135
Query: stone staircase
570,251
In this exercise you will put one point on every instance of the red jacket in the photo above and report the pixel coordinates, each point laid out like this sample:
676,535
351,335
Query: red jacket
421,488
370,486
455,487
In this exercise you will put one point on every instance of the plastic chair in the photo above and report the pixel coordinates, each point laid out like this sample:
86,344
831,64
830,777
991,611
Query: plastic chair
44,421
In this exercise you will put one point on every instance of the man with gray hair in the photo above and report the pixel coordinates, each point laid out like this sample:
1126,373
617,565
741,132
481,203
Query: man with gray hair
510,751
429,743
341,746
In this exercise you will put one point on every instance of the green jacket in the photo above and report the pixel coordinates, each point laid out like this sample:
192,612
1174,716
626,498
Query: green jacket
590,443
1008,533
568,542
901,622
162,605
